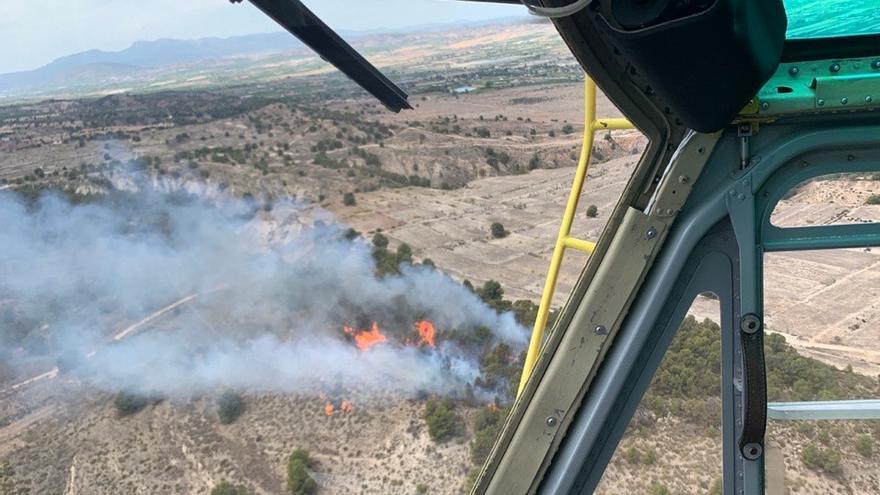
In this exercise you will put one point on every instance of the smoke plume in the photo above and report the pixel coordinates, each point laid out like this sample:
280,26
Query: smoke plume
170,294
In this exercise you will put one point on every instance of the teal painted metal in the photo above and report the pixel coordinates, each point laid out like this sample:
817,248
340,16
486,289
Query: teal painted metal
829,18
773,238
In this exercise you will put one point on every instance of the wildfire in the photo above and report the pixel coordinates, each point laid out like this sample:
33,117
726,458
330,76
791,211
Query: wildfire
365,339
345,407
493,406
426,332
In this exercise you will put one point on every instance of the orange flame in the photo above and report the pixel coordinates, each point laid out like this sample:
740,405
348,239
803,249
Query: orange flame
365,339
346,407
493,406
426,332
328,409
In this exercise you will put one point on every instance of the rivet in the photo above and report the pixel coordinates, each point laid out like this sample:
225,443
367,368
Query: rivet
868,99
600,330
875,64
835,67
820,102
765,105
844,100
684,179
740,196
650,233
793,70
551,421
750,323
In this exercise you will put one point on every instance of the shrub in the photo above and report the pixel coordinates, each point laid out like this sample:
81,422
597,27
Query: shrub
299,481
592,211
567,129
442,420
227,488
873,199
404,253
380,241
819,459
348,199
498,231
127,403
865,446
230,406
421,488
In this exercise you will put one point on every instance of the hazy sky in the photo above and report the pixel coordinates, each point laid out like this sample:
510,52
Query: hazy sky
34,32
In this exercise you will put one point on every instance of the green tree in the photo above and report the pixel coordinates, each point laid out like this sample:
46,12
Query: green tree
380,241
299,481
592,211
534,162
491,291
498,230
230,406
442,420
404,253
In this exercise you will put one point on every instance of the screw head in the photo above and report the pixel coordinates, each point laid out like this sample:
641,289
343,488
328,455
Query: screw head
750,323
752,451
820,102
868,99
684,179
875,64
650,233
551,421
793,70
844,100
600,330
835,67
765,105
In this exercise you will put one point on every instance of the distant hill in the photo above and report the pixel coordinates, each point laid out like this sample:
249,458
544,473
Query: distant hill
141,55
145,62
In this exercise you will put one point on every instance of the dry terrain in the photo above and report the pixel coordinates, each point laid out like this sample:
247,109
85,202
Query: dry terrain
435,178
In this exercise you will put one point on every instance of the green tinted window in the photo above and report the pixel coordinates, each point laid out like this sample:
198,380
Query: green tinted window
826,18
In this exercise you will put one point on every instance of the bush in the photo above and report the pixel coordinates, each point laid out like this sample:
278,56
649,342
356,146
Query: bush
819,459
127,403
442,420
873,199
498,231
567,129
380,241
421,488
348,199
299,481
404,253
230,406
227,488
865,446
592,211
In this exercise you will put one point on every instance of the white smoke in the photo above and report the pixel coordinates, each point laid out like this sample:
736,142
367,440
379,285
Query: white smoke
272,290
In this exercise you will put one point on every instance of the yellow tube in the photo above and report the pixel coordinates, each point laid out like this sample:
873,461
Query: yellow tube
564,239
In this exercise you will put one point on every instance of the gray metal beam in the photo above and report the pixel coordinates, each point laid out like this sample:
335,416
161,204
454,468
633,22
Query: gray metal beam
829,409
